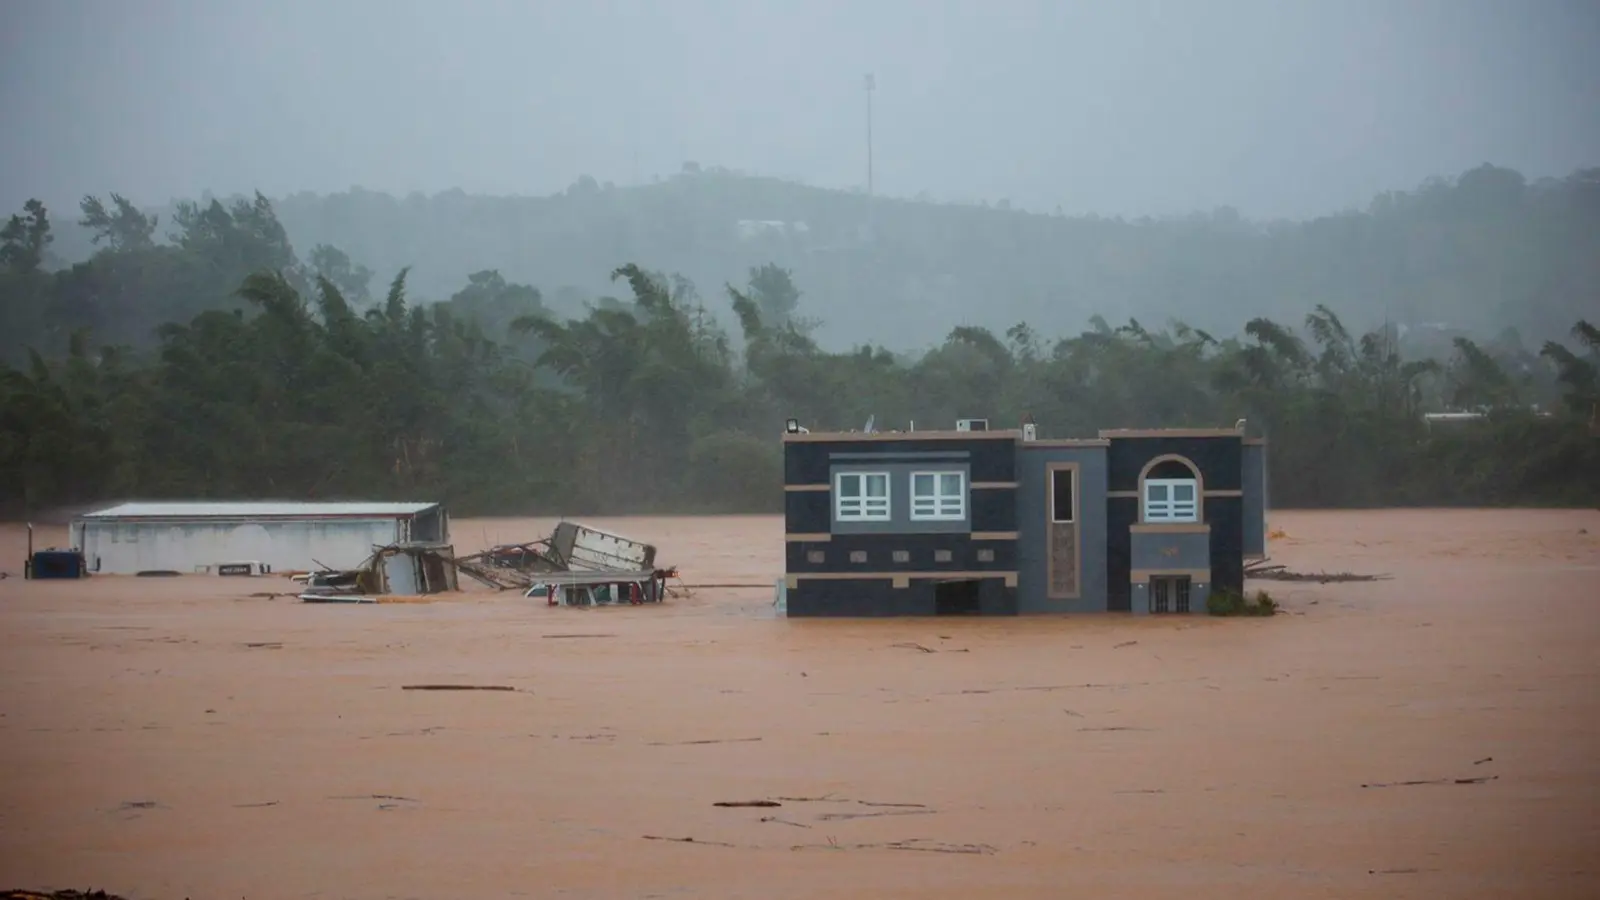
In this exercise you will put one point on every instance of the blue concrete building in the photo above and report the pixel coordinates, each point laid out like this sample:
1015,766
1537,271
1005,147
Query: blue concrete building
1001,523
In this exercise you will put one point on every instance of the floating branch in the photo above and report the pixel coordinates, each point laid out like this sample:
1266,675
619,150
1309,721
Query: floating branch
707,741
687,840
918,844
844,817
1388,784
1281,573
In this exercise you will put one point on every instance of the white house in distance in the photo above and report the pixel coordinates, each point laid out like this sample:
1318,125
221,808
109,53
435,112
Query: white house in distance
193,537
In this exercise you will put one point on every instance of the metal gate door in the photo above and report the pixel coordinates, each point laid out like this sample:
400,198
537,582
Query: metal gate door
1169,594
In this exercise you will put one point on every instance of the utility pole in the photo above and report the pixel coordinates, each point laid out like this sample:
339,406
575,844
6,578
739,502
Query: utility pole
871,83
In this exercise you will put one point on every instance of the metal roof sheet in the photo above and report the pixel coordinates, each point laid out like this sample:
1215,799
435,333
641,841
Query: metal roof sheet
256,510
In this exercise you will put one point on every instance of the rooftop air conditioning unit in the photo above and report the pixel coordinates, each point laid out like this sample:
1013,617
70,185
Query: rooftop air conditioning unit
972,424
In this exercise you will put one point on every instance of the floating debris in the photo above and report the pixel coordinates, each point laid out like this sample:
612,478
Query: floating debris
1482,779
709,741
1259,570
457,687
687,840
58,895
405,572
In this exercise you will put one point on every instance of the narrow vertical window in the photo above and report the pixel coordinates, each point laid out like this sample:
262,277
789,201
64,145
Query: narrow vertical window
1061,495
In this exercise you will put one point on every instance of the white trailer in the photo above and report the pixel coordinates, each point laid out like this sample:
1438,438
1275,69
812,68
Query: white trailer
198,537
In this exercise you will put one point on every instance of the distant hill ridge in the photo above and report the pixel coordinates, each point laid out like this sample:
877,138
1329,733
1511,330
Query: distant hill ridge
1484,251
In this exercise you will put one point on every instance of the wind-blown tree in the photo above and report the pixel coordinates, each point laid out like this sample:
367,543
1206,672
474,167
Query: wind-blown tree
333,265
61,426
25,239
245,235
24,289
276,378
1478,382
122,227
652,376
1578,375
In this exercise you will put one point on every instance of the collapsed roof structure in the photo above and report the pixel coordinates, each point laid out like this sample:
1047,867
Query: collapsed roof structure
400,570
576,564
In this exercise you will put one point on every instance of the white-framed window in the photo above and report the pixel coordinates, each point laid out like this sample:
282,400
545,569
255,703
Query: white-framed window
1171,500
938,495
861,496
1062,507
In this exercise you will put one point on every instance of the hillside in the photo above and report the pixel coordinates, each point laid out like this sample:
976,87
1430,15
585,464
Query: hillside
224,362
1482,252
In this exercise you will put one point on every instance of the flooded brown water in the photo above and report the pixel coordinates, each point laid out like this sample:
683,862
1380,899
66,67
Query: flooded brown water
170,738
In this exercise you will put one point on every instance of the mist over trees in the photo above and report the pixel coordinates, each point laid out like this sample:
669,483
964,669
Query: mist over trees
1481,252
195,353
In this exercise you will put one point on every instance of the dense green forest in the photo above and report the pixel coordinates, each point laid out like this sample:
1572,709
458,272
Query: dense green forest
1482,252
273,376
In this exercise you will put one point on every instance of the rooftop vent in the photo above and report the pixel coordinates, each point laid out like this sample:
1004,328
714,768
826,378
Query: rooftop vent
972,424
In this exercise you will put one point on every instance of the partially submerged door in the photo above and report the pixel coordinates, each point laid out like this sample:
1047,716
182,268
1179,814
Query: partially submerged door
1169,593
958,598
400,570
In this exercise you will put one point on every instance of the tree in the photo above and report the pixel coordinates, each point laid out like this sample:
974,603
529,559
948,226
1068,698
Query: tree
242,238
351,279
121,230
1579,376
25,239
218,364
772,288
1477,381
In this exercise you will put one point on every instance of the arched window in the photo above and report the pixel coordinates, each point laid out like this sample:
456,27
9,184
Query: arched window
1169,491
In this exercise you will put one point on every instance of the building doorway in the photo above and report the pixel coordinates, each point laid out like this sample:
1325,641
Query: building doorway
957,598
1169,594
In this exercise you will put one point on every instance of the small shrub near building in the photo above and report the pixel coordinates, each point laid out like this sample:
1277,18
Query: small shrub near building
1229,603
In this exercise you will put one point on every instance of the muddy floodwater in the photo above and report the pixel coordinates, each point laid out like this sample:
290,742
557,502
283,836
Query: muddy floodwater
1435,735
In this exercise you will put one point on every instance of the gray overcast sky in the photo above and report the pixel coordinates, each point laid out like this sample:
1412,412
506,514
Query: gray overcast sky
1119,107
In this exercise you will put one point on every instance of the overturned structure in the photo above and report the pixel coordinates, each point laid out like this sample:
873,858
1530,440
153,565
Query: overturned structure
403,570
575,566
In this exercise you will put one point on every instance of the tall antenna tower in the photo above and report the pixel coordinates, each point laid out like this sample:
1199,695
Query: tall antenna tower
871,84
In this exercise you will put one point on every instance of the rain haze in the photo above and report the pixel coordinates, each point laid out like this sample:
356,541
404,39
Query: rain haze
1127,108
1143,448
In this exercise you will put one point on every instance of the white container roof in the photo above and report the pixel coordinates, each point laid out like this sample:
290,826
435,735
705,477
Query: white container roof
258,510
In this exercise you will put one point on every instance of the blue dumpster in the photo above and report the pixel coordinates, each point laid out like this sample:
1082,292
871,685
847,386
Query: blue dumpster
50,564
